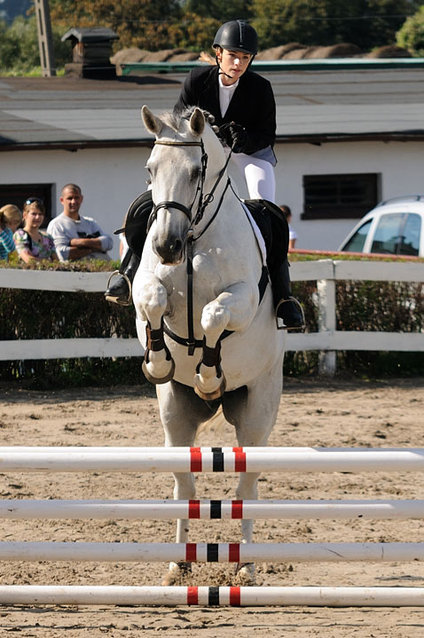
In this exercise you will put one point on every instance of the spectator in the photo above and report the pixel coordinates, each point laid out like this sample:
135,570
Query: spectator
10,219
75,236
292,233
33,244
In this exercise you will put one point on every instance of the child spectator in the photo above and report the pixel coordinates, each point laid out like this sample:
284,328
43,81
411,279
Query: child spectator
10,218
32,243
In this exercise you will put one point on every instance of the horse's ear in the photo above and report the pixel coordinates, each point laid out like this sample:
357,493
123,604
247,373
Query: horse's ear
152,123
197,122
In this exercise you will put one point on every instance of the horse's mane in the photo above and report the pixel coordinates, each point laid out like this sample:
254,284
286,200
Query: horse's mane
173,119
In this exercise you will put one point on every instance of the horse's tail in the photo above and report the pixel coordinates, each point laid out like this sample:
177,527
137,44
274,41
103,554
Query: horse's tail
215,424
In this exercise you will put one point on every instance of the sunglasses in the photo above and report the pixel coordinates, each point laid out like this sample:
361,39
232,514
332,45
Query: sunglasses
33,200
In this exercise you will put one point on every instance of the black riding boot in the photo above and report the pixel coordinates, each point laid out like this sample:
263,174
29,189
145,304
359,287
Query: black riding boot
286,306
136,223
120,291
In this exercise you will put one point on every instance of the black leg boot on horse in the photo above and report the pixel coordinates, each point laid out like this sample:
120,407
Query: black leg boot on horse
135,228
275,231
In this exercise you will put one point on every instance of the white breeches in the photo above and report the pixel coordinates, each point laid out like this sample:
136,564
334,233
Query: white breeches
258,174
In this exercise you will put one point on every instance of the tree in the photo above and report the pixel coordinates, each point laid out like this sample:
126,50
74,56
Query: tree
141,23
19,50
366,23
220,10
411,35
194,32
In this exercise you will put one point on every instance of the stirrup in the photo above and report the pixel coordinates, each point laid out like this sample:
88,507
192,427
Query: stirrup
120,302
280,321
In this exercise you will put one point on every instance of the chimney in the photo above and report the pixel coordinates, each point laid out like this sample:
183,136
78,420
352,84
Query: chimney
91,52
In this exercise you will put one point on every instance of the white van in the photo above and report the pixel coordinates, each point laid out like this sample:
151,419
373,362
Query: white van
394,227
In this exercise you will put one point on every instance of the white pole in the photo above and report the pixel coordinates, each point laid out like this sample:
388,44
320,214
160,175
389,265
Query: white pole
206,596
309,460
207,510
210,552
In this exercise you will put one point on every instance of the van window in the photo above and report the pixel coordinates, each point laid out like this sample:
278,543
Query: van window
397,234
357,241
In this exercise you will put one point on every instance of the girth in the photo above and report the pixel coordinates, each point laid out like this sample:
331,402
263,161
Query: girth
198,343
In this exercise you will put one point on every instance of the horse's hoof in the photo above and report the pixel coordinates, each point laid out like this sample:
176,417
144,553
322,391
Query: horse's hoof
158,380
245,574
176,572
210,396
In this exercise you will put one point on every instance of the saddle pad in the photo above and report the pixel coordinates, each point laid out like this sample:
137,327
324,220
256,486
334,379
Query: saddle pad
258,235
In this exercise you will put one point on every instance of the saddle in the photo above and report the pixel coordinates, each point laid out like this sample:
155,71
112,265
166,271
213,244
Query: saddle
274,228
268,217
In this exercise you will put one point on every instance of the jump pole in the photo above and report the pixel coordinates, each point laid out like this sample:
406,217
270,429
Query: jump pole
217,460
209,552
209,509
212,596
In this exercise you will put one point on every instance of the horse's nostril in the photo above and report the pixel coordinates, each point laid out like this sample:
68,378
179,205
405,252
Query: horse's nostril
177,246
169,252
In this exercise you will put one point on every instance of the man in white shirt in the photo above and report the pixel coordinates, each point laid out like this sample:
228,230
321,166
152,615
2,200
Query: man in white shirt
77,237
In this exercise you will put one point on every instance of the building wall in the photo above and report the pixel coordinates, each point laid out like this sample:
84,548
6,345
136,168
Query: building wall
401,165
109,178
112,178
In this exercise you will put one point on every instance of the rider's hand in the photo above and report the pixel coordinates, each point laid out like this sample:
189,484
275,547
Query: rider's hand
235,136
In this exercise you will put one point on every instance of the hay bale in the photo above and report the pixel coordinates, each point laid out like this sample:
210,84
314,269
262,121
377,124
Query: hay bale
296,54
128,55
342,50
185,56
159,56
389,51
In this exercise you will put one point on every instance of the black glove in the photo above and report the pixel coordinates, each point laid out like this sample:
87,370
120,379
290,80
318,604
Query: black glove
235,136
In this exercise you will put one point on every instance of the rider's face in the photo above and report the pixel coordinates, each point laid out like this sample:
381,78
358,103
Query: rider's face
233,64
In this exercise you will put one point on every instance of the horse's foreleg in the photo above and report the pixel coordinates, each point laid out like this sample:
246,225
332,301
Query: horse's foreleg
158,365
209,381
184,489
247,490
232,310
151,301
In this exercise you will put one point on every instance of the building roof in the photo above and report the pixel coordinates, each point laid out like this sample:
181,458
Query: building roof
90,34
312,106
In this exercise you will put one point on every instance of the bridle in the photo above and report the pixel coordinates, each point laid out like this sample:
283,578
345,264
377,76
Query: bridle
203,201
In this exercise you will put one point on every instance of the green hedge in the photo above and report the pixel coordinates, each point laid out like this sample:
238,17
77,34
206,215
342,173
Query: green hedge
32,314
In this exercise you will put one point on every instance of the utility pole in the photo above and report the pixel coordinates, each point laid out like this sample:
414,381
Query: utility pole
45,40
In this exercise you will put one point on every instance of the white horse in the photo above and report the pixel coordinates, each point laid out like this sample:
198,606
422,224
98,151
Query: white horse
202,294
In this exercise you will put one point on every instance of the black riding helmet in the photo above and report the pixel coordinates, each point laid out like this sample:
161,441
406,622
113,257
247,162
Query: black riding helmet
237,35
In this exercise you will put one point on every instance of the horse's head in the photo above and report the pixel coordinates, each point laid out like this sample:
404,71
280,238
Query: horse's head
185,144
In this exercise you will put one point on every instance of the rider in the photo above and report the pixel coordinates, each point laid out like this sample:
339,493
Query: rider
242,103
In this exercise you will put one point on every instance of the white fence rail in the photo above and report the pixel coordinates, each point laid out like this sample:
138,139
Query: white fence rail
327,340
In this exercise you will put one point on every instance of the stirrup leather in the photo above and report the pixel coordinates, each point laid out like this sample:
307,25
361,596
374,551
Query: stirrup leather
123,302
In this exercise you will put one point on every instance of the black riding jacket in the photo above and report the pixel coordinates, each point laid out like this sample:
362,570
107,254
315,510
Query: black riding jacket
252,105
